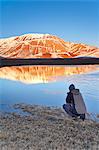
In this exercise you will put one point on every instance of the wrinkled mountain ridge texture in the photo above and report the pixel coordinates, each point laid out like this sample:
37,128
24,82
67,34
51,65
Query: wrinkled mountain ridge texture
44,46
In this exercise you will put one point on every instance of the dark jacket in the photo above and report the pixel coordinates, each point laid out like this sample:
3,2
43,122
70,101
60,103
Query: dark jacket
69,98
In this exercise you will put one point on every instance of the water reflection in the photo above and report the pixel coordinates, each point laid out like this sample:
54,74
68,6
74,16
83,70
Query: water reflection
58,79
42,74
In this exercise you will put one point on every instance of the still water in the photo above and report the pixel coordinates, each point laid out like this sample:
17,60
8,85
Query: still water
48,85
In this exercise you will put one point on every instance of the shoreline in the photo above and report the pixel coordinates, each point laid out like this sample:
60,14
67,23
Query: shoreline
4,62
44,128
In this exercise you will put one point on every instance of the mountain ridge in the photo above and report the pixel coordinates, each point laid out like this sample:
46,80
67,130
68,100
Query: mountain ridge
44,46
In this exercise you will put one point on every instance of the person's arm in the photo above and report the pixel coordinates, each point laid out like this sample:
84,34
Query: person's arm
68,98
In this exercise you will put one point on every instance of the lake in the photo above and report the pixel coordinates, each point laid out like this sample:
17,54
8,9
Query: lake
48,85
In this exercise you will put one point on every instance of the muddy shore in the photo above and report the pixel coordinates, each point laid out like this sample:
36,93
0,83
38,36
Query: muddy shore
46,128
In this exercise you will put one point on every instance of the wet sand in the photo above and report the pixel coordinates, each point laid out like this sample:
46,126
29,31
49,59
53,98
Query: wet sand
46,128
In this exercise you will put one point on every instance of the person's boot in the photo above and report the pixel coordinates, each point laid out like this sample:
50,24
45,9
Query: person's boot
82,116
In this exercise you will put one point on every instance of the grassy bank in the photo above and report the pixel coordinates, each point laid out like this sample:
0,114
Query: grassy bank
46,128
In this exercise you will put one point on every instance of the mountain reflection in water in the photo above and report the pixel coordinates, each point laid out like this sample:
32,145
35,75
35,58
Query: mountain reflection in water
26,84
42,74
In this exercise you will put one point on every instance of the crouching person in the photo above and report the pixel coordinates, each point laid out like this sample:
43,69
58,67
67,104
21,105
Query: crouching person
75,106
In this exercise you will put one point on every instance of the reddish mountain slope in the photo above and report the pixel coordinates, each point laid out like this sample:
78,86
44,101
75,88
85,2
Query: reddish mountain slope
43,46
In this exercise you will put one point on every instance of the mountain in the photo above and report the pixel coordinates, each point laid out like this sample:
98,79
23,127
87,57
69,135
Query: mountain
43,46
42,74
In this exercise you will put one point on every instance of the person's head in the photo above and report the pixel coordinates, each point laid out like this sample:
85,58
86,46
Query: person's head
71,87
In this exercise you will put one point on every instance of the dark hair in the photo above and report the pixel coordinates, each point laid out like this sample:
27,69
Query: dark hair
71,87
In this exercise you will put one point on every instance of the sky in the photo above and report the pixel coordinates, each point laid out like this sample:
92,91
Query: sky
72,20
